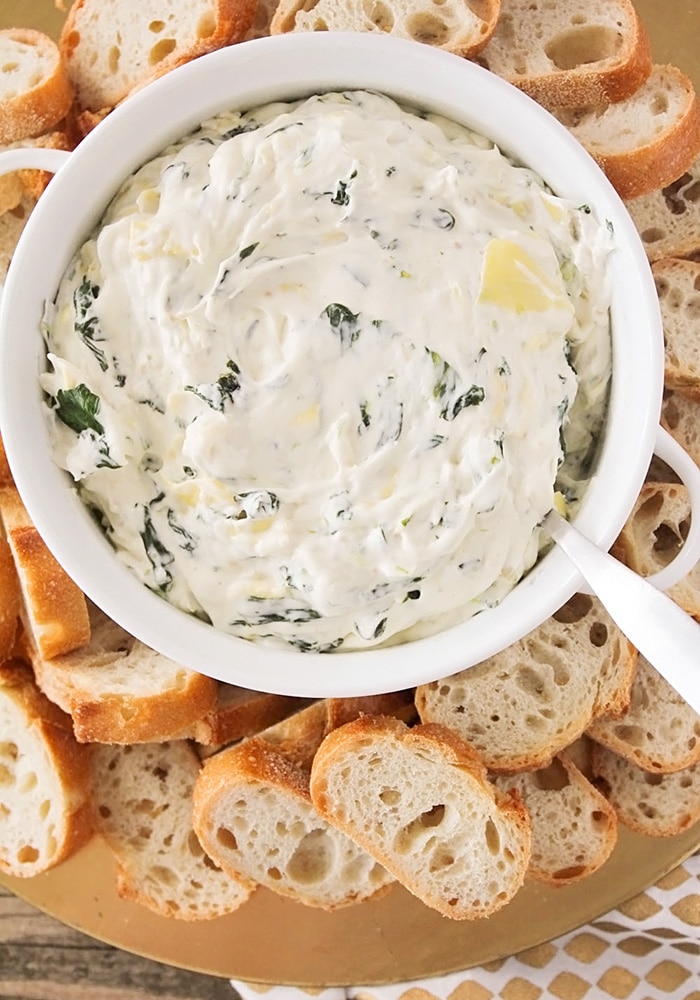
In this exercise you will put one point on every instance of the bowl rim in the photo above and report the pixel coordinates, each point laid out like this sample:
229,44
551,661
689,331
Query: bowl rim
283,68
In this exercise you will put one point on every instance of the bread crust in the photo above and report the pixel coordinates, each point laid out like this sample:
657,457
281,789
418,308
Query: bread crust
54,609
46,736
428,26
456,764
591,82
39,108
88,39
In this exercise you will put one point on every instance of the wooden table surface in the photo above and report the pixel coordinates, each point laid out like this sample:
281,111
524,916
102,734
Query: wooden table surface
42,959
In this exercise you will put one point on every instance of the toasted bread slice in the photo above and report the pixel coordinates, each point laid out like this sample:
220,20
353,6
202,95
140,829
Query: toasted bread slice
418,800
668,219
574,827
652,535
458,26
678,286
11,225
110,48
658,732
143,809
680,416
119,691
572,53
524,705
253,813
10,600
646,140
657,805
54,610
239,712
35,93
45,810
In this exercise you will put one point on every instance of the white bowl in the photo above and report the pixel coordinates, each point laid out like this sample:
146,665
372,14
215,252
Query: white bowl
284,68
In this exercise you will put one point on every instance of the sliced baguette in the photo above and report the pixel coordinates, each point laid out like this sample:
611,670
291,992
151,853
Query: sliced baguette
524,705
53,610
658,805
45,810
572,53
668,219
419,801
646,140
11,225
35,93
658,732
119,691
574,827
678,287
653,534
680,416
253,813
10,600
239,712
110,48
459,26
143,809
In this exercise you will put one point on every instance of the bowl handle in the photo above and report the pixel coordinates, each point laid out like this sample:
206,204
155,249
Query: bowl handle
32,158
674,455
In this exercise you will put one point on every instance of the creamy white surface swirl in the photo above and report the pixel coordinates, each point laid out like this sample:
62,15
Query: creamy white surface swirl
315,366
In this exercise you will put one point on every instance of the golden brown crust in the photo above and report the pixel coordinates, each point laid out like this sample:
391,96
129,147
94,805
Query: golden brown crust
640,171
239,713
54,609
424,25
9,601
38,109
70,762
595,83
229,22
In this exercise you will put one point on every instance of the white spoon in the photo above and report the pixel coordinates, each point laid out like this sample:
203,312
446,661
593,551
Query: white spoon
664,634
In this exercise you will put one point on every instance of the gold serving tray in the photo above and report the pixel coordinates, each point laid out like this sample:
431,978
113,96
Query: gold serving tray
396,938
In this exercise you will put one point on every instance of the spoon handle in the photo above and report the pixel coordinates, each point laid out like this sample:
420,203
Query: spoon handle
660,630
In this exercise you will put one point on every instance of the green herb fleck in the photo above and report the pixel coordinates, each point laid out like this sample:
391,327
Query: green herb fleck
217,394
344,322
78,409
87,326
247,251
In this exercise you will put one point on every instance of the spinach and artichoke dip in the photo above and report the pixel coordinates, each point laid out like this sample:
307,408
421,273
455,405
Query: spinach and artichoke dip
318,368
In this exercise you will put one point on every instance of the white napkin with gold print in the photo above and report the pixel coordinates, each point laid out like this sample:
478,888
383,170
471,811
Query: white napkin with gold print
647,949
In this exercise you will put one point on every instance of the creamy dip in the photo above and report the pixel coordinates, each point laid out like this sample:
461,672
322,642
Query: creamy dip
317,368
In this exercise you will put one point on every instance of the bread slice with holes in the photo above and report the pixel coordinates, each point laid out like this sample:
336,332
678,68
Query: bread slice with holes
419,801
254,815
35,92
110,48
658,732
53,609
462,28
574,827
118,690
45,810
657,805
646,140
680,416
570,54
678,287
668,219
143,809
524,705
653,534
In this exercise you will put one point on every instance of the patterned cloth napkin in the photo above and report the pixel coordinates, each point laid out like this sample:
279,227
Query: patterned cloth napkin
647,949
